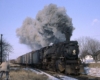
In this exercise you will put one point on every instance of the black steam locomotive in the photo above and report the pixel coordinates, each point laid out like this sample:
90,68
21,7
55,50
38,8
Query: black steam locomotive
60,57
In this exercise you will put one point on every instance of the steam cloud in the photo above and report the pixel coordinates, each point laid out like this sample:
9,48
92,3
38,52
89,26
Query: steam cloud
52,24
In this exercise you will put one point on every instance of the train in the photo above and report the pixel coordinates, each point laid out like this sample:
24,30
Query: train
59,57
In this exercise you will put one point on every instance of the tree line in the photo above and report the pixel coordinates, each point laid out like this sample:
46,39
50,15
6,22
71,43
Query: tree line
88,46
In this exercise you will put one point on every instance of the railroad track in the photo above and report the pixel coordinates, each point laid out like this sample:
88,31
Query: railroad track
56,74
81,77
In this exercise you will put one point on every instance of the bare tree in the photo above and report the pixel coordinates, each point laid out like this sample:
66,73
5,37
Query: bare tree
83,55
89,46
6,48
98,55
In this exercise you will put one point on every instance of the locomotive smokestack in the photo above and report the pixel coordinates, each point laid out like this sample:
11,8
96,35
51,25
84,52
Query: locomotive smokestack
52,24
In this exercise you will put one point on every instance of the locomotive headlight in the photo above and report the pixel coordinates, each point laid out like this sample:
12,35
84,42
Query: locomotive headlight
74,52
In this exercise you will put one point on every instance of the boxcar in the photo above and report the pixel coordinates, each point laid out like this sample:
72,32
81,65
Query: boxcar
35,57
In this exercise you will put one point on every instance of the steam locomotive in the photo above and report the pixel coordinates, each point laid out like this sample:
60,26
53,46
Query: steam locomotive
60,57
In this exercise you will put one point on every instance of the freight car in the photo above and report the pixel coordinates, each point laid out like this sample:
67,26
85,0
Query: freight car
30,59
61,57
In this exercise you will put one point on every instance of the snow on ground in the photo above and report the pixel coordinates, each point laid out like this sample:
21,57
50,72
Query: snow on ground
92,71
89,71
89,61
62,77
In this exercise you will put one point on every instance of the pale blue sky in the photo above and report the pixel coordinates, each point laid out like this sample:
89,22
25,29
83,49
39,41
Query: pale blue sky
85,16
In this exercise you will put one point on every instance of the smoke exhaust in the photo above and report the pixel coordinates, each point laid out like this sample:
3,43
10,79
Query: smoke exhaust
52,24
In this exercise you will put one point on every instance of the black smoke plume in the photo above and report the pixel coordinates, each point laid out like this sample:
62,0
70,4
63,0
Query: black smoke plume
52,24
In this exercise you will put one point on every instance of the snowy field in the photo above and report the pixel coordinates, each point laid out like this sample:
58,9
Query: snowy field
93,71
15,72
52,77
90,71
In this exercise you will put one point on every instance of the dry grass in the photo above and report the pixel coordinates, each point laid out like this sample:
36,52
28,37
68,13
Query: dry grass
26,75
94,65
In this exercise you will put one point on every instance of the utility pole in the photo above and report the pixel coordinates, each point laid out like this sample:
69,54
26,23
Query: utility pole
1,48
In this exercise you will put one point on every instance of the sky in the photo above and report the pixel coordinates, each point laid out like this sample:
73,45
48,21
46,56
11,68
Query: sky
85,16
